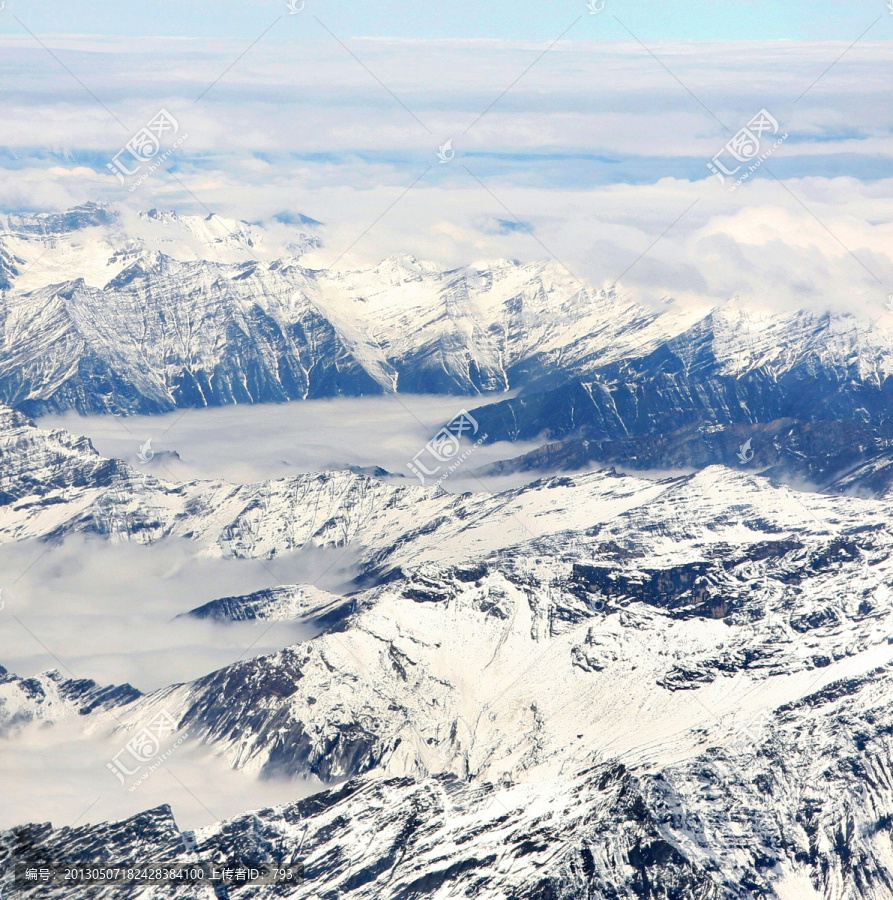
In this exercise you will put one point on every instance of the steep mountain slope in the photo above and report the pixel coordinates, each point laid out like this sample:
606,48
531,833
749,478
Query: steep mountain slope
103,311
796,802
797,810
813,395
50,698
435,838
592,686
176,311
840,456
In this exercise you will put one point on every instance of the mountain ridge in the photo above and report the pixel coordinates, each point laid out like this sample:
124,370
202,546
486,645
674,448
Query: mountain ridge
675,688
167,312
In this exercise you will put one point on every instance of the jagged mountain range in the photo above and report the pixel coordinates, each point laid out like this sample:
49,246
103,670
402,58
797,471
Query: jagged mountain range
404,838
50,697
592,686
155,323
597,685
102,312
808,394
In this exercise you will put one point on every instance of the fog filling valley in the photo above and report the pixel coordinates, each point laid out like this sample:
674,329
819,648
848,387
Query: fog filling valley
253,443
113,612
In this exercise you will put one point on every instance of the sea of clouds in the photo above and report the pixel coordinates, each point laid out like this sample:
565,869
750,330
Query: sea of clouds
594,153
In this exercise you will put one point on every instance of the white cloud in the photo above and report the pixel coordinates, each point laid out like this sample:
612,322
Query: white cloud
58,774
254,443
93,609
301,126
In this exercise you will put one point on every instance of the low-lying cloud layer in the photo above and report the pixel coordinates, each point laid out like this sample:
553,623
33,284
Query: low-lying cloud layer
57,774
596,156
93,609
255,443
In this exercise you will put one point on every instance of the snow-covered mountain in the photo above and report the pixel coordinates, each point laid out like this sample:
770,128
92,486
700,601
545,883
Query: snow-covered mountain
50,698
96,243
104,311
593,686
805,394
195,312
596,685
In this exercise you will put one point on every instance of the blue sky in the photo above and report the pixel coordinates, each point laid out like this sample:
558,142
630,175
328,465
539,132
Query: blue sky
528,19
